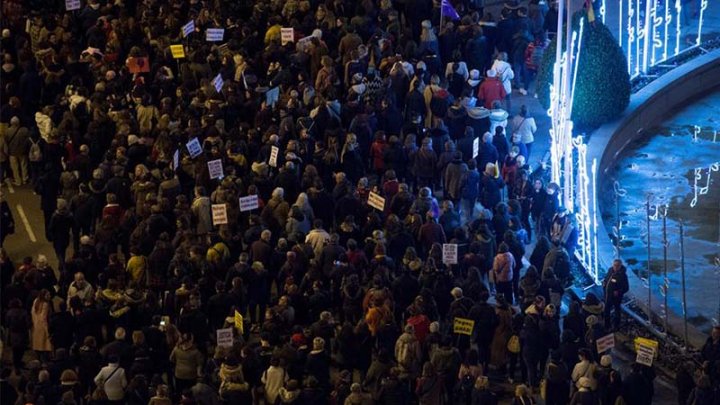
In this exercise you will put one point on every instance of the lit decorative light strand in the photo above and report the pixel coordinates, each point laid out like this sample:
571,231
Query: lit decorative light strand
668,21
576,196
703,6
678,31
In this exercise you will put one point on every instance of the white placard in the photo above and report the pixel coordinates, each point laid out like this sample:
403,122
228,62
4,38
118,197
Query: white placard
476,147
450,253
219,214
645,355
225,337
249,203
176,159
71,5
274,151
605,343
375,201
218,82
214,34
215,167
287,35
194,148
188,28
272,96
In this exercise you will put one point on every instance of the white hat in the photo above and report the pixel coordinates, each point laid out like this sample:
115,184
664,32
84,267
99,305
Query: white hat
491,73
317,33
426,24
474,78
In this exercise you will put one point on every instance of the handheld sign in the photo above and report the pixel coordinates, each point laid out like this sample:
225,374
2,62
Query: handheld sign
71,5
177,51
194,148
376,201
450,253
641,341
225,337
274,151
219,214
188,28
239,322
462,326
287,35
605,343
645,355
214,34
249,203
215,168
176,159
272,96
218,82
476,147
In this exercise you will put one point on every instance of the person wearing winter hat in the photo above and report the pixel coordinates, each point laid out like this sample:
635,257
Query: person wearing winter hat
491,89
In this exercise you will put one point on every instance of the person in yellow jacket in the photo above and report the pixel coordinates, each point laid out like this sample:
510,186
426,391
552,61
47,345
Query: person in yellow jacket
137,267
218,254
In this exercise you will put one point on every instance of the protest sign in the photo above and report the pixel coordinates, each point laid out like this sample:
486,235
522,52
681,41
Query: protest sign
225,337
219,214
188,28
287,35
463,326
177,51
450,253
375,201
239,322
218,82
249,203
645,355
274,151
215,167
176,159
605,343
71,5
214,34
476,147
194,148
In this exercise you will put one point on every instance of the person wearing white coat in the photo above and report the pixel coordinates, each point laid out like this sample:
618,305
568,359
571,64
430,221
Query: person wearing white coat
112,380
273,379
505,74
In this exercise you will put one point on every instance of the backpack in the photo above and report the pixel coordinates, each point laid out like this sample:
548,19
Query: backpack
406,356
537,55
464,389
439,102
35,154
513,344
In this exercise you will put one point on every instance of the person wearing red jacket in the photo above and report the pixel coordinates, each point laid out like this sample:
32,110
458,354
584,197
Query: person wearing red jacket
491,90
377,150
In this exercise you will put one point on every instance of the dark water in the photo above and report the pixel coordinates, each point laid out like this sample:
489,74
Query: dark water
675,165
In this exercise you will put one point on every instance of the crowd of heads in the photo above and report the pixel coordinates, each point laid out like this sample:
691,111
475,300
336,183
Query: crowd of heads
376,187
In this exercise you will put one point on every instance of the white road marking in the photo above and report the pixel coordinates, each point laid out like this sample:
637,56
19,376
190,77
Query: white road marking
28,228
11,189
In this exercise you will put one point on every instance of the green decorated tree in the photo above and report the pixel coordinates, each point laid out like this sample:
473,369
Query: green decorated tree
602,89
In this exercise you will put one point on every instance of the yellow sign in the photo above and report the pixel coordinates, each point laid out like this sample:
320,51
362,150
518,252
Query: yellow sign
463,326
239,322
178,51
641,341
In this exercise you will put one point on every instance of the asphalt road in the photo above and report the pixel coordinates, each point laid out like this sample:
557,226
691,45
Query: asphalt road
29,238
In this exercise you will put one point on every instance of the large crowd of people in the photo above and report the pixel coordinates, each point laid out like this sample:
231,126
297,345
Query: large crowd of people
364,243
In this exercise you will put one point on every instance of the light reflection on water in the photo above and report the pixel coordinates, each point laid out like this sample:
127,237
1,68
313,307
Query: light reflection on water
675,166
